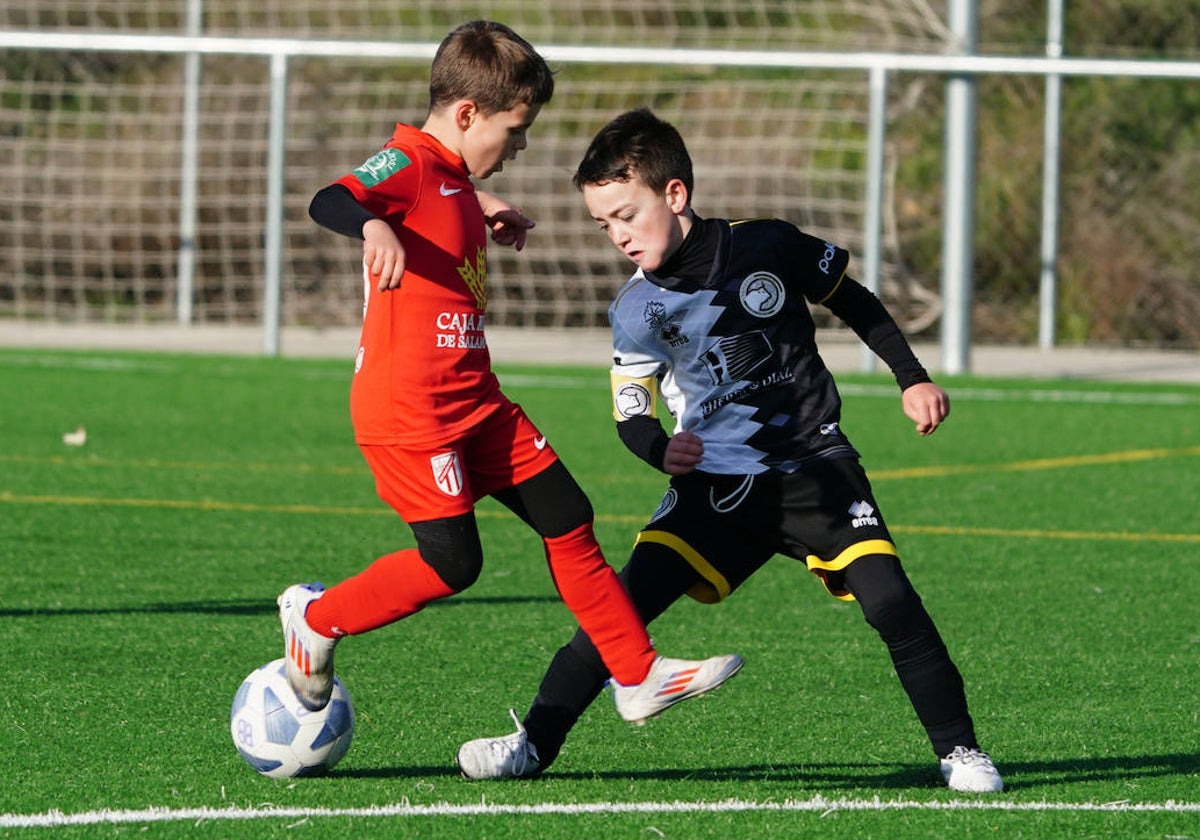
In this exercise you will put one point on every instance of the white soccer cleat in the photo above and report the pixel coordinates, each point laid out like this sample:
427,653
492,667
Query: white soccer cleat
309,655
510,757
971,771
671,681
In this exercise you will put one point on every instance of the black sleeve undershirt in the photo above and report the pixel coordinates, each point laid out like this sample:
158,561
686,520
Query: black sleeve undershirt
336,208
645,438
864,313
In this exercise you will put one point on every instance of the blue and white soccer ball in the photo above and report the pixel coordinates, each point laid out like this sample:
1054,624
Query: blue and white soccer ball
277,736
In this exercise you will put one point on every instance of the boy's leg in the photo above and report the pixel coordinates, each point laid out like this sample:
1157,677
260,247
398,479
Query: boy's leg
655,578
928,675
430,491
554,505
447,559
511,460
831,514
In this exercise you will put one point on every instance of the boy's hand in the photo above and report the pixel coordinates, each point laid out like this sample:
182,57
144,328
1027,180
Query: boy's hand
507,223
684,453
383,255
927,405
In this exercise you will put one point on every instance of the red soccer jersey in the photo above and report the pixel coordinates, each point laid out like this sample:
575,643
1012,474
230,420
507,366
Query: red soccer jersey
423,373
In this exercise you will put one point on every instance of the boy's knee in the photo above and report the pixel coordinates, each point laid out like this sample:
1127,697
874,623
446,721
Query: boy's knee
456,571
883,591
554,502
452,549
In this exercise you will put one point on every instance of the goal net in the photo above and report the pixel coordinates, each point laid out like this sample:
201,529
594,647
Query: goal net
90,146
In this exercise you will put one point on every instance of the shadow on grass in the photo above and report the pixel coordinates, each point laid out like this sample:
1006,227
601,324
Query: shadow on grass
1017,774
843,775
248,607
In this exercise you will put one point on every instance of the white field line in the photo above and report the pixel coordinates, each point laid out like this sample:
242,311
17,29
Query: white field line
1099,396
817,804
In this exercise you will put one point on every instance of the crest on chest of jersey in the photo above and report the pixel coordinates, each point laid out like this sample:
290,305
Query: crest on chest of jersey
475,276
762,294
656,317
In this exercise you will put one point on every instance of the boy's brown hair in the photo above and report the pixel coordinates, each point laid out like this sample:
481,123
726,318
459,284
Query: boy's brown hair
636,144
489,63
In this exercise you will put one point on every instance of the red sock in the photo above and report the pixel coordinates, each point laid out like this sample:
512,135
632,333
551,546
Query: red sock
394,586
591,590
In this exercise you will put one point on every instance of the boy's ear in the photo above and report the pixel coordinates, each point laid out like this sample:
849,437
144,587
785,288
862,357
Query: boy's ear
676,195
465,111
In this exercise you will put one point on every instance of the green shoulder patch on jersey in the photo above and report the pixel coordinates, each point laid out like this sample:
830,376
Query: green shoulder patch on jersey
381,166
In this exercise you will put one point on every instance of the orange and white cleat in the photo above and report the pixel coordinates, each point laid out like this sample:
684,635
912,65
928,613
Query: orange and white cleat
309,655
671,681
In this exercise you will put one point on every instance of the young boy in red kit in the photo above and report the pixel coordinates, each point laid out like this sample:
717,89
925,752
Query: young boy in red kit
427,409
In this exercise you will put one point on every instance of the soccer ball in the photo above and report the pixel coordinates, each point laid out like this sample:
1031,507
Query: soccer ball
277,736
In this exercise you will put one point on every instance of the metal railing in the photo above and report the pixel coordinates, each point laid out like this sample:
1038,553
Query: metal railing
960,70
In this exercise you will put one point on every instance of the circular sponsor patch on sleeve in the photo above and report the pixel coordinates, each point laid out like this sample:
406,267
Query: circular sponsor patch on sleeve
632,400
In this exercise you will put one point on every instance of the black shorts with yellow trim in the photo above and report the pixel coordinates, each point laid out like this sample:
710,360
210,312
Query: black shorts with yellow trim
727,527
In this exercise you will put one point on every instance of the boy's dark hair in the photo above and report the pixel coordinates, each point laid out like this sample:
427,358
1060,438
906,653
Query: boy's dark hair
636,143
491,64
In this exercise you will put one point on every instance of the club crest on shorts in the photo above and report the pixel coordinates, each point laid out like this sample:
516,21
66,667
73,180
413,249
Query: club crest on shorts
666,505
447,473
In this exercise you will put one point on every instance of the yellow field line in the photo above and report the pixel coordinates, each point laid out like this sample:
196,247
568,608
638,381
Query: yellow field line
154,463
1125,457
213,505
7,497
1039,534
1104,458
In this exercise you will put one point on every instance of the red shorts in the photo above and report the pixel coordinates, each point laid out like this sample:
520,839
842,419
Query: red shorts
502,451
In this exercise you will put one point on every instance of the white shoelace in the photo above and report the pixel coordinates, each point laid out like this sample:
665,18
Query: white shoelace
965,755
515,749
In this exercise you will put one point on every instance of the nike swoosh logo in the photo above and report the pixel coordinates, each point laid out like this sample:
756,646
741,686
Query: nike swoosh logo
444,190
539,442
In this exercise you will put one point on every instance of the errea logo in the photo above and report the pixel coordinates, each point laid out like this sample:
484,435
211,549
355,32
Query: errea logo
863,514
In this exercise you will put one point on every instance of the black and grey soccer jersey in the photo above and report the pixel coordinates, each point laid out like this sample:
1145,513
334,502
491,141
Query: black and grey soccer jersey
728,342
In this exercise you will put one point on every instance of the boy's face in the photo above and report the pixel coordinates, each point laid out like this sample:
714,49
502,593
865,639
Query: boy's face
491,139
645,225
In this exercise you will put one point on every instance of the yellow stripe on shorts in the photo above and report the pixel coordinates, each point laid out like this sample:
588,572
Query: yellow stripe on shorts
713,588
822,568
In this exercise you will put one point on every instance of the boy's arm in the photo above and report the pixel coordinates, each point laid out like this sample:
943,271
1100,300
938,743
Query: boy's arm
634,388
506,221
925,403
645,438
677,454
336,208
865,314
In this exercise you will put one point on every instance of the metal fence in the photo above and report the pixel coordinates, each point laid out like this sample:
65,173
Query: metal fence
158,158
